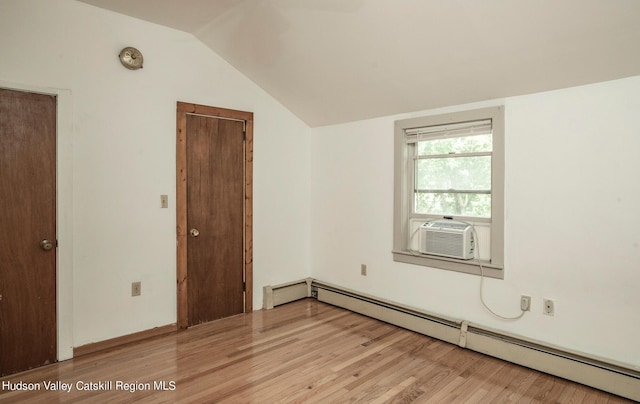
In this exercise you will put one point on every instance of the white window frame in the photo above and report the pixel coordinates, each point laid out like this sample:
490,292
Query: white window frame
403,195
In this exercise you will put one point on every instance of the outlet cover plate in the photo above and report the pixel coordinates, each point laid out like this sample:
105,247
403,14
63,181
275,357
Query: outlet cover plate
136,288
548,307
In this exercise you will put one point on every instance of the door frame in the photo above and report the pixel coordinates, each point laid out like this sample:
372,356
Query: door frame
184,109
64,211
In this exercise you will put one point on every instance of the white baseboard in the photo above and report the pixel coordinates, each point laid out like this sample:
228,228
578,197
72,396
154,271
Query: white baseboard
602,374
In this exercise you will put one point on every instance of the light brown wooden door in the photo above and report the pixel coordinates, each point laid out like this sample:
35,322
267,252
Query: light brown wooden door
27,217
215,216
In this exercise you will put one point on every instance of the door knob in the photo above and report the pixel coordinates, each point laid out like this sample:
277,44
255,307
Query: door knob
46,245
194,232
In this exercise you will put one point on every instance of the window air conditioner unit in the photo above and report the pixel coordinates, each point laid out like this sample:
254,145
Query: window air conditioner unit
447,238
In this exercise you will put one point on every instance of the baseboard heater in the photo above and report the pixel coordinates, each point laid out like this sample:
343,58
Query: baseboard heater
602,374
287,292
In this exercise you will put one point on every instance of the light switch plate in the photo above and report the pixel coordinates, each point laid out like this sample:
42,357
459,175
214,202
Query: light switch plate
164,201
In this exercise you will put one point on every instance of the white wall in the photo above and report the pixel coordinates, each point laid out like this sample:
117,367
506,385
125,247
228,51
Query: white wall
123,152
570,188
572,197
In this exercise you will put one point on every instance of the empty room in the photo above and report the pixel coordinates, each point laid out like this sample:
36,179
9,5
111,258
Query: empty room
319,201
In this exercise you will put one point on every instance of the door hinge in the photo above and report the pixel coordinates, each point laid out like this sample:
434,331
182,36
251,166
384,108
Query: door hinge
244,286
244,134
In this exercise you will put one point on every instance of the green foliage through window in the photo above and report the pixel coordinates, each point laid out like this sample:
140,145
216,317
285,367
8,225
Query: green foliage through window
453,176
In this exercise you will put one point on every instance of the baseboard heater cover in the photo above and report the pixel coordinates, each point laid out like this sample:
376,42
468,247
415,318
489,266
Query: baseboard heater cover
595,372
273,296
422,323
600,375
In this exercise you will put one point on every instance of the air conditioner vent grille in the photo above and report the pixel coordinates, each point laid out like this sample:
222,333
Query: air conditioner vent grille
447,238
448,225
445,243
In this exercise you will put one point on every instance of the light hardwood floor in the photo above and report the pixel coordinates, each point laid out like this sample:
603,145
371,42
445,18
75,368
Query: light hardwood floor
304,351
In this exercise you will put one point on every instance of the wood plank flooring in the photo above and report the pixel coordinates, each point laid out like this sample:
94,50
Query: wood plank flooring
302,352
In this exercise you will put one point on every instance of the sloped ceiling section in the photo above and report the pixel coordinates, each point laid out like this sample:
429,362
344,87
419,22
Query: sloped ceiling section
335,61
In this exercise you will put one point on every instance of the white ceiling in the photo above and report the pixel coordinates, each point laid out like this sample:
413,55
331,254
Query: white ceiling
334,61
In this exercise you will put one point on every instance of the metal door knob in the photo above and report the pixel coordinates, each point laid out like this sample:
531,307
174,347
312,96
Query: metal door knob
46,245
194,232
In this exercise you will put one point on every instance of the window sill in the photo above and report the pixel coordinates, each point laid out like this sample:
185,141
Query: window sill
451,264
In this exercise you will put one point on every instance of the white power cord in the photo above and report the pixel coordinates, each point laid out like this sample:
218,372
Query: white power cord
477,246
477,255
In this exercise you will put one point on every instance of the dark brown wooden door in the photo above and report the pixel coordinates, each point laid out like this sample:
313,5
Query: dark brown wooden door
215,217
27,216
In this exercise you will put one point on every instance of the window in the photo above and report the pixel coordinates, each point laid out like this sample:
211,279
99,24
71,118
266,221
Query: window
451,165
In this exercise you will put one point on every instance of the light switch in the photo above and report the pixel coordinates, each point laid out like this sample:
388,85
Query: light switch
164,201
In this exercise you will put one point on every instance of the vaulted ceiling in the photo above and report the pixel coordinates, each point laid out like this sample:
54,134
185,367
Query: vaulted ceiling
334,61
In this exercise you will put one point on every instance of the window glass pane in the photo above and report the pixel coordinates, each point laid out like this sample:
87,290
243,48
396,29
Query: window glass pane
466,144
475,205
454,173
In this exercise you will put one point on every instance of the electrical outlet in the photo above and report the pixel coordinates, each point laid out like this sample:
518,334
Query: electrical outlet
548,307
363,270
525,303
136,288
